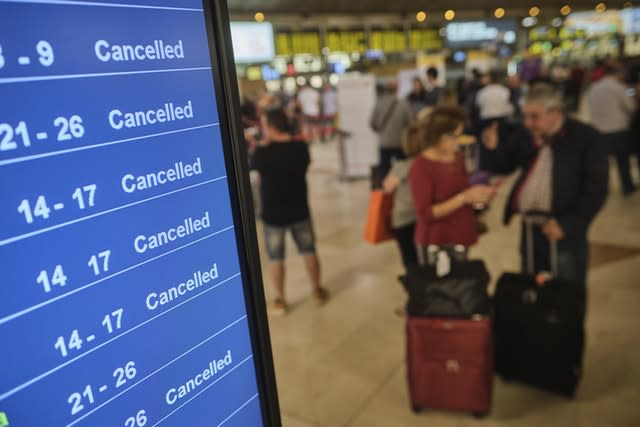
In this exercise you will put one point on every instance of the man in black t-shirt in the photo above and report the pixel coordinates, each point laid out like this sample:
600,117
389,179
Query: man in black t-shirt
282,163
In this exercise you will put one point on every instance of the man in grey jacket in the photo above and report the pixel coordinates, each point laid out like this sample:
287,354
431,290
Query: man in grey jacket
390,117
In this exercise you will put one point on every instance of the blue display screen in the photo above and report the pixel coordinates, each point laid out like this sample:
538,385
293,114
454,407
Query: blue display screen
121,295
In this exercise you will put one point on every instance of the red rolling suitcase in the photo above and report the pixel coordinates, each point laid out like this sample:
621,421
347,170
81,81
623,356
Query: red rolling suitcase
450,364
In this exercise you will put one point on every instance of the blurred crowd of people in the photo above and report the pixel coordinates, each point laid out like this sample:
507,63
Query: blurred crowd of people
442,155
443,180
312,112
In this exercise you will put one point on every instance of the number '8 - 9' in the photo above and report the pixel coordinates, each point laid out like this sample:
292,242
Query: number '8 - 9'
44,49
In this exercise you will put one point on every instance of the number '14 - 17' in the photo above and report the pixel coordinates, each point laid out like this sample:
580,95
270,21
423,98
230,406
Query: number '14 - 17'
84,196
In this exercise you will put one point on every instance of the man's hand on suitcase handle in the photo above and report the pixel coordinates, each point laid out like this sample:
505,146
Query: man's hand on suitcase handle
553,230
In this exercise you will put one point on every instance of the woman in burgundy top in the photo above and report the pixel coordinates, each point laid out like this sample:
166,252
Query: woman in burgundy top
440,187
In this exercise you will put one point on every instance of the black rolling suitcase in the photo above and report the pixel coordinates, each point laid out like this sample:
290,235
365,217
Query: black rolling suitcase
539,329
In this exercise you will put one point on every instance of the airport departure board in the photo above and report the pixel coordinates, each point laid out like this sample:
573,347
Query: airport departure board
425,39
388,41
346,40
290,43
129,295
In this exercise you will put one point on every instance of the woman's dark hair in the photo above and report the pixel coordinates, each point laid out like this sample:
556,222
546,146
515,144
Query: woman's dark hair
441,121
278,119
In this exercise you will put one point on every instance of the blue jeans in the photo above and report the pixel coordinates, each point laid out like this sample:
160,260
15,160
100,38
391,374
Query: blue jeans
573,256
303,236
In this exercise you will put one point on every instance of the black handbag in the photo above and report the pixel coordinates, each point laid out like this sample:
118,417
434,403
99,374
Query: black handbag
461,293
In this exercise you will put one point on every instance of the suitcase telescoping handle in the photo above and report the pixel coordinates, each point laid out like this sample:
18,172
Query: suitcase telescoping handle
536,218
431,252
438,257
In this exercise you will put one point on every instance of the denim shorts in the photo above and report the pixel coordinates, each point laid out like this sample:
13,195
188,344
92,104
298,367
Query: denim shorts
302,233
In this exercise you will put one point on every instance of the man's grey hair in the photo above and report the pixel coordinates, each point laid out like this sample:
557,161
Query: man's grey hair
545,94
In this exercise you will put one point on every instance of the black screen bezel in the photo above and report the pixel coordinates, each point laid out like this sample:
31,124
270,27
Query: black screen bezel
236,162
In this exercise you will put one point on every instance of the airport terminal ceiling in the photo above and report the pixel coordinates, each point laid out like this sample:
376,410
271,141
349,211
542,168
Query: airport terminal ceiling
408,7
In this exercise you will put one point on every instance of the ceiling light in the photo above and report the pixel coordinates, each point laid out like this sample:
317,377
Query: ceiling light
601,7
499,13
449,15
534,11
565,10
259,17
316,82
421,16
529,21
510,37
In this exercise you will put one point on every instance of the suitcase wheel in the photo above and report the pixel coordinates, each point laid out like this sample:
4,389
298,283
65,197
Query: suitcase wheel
479,415
416,409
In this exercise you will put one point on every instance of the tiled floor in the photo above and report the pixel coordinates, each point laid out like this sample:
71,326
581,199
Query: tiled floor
343,364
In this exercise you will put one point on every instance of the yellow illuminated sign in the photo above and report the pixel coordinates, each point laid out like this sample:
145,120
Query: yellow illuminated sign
346,41
305,42
388,40
283,44
425,39
553,34
297,43
254,73
566,45
539,48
